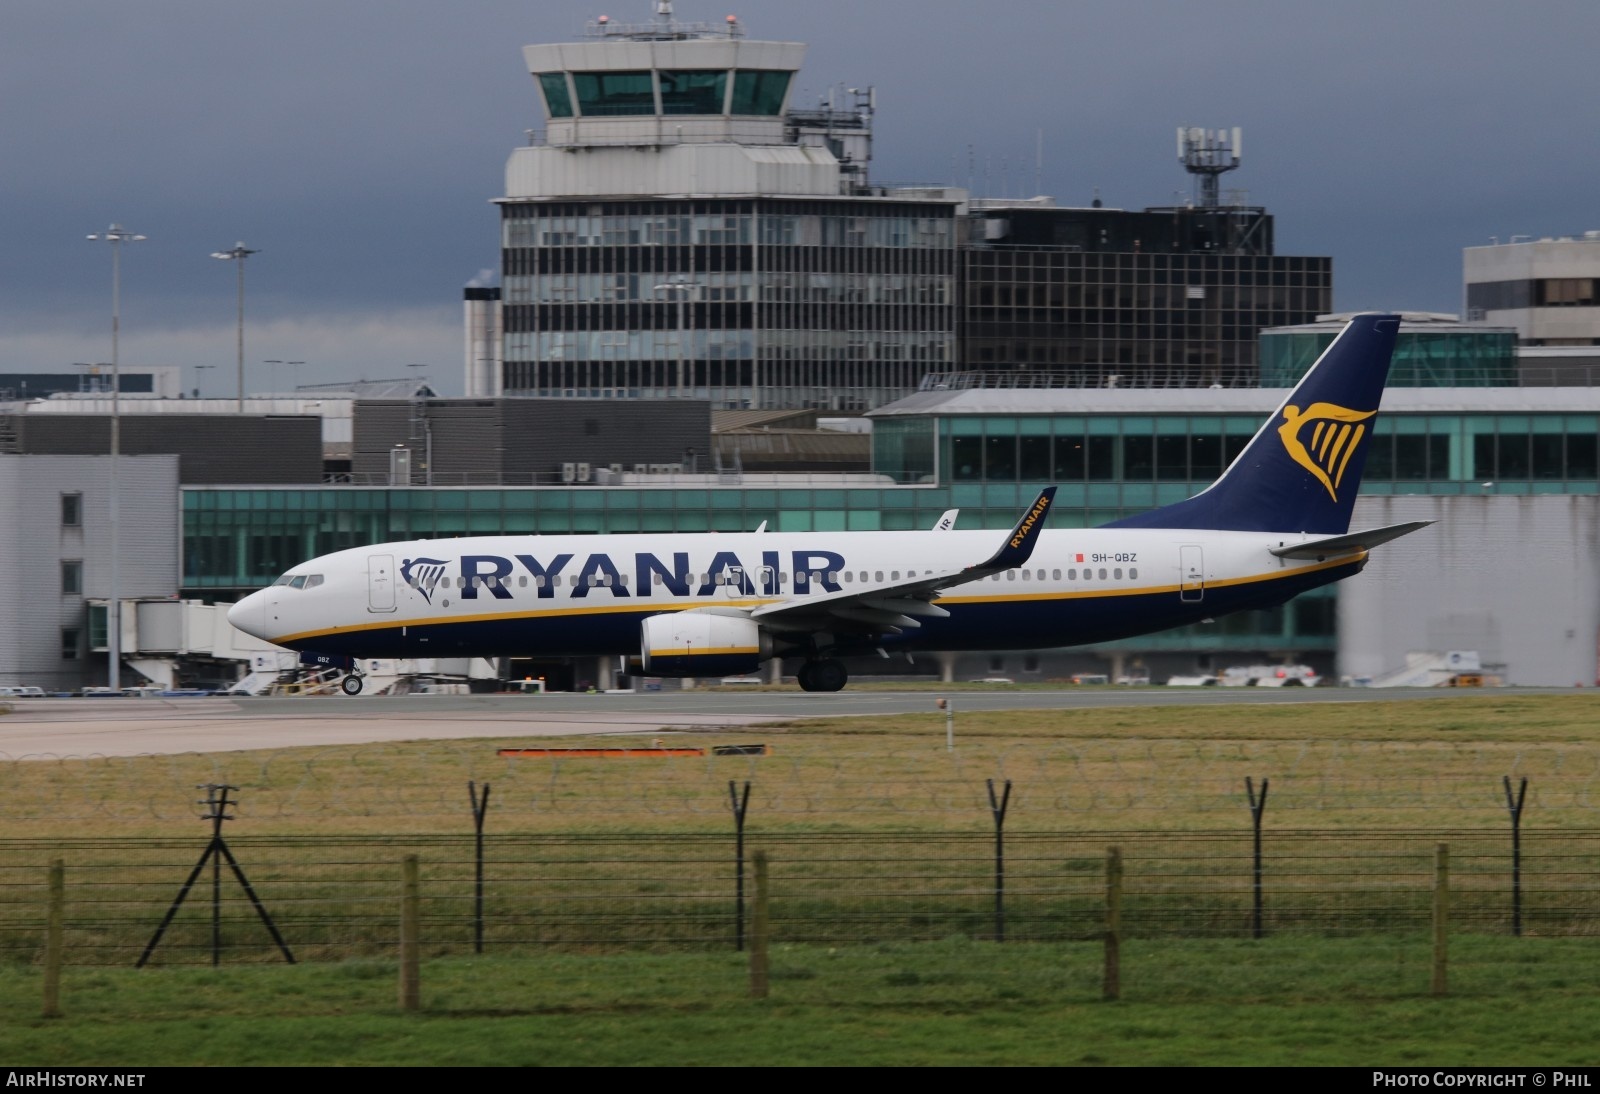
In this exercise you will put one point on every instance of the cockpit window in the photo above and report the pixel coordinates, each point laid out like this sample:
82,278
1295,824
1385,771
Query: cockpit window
300,581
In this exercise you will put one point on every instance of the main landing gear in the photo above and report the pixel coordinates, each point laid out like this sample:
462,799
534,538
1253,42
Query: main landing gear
351,685
824,675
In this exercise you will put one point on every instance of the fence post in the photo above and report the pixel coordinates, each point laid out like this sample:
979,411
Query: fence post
741,806
1441,916
480,806
997,807
1258,806
759,930
1514,804
55,916
410,945
1113,971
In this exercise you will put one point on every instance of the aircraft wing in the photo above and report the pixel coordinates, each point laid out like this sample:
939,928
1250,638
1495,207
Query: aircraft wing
890,607
1355,541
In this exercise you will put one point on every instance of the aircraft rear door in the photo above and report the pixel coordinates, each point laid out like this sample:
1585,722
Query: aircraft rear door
1191,573
380,583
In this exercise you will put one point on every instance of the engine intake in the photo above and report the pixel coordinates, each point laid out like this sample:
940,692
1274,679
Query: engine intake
702,643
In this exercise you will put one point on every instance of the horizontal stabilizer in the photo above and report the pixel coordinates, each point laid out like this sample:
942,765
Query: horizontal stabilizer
1355,541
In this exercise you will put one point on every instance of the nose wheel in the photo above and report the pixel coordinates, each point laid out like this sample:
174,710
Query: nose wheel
351,685
824,675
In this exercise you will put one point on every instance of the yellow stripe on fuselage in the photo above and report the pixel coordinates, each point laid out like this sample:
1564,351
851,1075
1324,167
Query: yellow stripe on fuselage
637,607
1153,590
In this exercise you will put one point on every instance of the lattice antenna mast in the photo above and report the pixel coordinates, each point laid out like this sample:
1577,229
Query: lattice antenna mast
1208,154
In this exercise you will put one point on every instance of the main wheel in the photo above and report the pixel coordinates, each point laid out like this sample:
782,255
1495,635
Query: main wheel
828,675
351,684
802,677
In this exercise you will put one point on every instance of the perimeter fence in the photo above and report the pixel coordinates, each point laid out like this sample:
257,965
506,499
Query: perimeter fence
336,898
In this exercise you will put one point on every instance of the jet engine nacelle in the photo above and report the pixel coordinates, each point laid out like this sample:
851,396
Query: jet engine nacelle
702,643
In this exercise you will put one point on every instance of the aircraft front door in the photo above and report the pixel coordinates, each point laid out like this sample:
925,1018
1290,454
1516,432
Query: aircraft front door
380,583
1192,574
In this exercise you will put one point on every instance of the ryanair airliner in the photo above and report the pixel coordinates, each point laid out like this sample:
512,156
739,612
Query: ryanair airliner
1275,524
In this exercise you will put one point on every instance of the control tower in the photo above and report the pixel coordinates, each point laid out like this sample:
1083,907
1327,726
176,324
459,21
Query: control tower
680,230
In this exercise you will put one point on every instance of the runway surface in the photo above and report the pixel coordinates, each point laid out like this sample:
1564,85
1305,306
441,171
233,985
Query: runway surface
57,728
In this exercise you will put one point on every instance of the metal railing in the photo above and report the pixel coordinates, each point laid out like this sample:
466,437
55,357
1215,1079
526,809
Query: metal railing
1096,376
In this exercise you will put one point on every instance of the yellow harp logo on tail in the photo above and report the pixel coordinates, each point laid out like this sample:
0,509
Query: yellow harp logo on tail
1336,432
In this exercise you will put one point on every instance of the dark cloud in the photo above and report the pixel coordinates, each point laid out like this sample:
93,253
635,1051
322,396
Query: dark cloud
358,143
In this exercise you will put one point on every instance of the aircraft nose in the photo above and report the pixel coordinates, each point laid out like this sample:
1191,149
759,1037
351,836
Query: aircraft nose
250,615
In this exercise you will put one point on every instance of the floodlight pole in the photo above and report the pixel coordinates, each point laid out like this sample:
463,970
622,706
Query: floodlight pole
238,253
116,235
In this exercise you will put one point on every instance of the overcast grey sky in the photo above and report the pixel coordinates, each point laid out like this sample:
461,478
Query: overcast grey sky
358,144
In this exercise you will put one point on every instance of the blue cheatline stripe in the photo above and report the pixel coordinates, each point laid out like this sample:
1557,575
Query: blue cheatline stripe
998,621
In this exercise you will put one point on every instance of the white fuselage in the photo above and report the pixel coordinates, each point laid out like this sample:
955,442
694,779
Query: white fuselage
555,595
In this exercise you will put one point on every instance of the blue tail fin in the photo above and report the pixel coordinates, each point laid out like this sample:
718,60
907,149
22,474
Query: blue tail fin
1300,473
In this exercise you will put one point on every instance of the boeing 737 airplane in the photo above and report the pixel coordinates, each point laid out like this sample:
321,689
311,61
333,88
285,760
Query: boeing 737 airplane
1275,524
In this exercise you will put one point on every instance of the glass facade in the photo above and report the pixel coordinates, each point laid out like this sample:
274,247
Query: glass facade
1149,320
1114,464
611,94
1544,292
748,303
759,93
557,98
1458,357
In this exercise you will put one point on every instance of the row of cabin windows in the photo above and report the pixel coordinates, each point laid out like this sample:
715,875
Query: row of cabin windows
834,576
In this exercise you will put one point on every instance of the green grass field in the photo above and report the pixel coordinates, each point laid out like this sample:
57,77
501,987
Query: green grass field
1284,1001
1334,983
1414,764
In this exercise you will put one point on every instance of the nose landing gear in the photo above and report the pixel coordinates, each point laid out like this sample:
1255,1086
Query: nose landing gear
351,685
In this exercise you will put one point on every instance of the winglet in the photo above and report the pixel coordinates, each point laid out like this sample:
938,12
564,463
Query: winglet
1020,543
